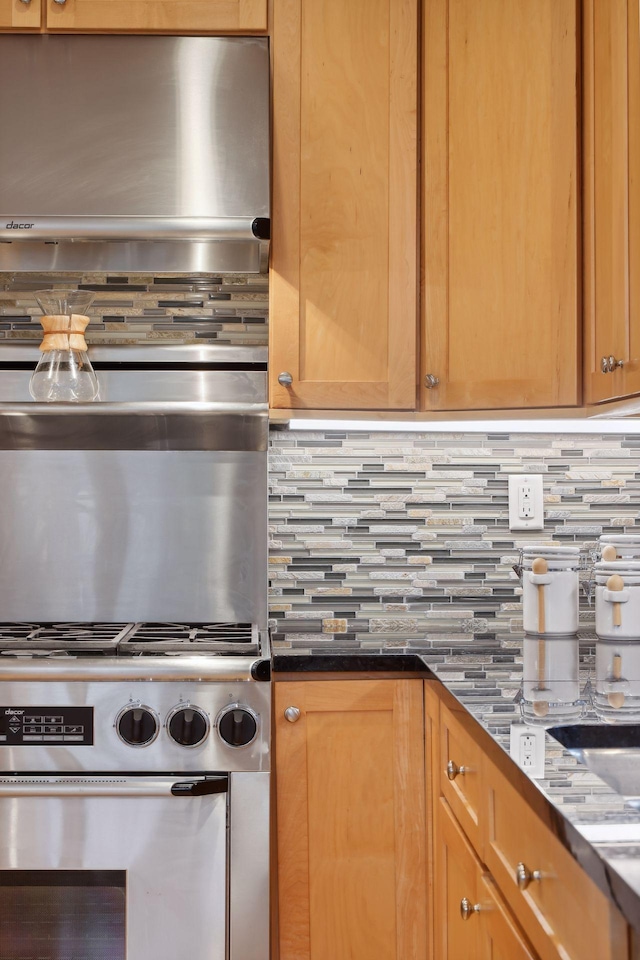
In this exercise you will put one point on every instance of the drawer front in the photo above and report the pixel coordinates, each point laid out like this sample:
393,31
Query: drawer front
560,908
460,772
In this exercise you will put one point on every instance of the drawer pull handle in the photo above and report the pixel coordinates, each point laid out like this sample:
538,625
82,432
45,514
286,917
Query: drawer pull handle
524,876
467,909
453,770
292,714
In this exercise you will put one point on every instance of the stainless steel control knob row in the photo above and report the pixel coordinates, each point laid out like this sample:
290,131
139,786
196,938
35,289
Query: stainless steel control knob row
292,714
609,364
524,876
285,379
467,909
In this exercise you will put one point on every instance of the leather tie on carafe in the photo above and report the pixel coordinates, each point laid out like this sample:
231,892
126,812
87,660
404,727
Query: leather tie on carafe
64,332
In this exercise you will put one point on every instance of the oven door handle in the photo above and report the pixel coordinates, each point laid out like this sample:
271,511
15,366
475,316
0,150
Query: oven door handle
111,787
200,788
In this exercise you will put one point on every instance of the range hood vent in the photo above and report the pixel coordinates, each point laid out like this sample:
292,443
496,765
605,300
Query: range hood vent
134,154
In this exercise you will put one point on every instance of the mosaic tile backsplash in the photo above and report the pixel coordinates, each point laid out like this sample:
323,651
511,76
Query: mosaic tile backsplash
138,308
402,540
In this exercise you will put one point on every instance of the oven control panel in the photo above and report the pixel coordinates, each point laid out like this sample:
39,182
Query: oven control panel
36,726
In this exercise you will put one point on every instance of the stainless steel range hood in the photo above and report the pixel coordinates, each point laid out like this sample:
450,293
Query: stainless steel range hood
134,154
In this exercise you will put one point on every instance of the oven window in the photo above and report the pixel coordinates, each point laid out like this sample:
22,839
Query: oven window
62,915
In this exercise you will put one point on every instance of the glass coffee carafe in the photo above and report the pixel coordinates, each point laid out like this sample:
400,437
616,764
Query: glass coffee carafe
64,373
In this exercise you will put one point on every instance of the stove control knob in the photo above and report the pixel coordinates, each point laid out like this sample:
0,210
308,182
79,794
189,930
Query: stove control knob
237,725
188,725
137,725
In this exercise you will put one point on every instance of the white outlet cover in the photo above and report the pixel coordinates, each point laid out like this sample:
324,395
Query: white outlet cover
532,482
527,748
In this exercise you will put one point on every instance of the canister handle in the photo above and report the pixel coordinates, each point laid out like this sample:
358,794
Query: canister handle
540,579
615,596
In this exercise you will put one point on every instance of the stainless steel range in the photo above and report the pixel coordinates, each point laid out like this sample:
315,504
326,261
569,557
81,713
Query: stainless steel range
134,751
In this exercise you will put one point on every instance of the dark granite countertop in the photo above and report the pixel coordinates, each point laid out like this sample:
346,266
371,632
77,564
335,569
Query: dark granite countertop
596,824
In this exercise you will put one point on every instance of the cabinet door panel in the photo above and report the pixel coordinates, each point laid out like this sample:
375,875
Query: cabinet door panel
612,196
350,820
15,15
457,877
163,16
343,285
500,216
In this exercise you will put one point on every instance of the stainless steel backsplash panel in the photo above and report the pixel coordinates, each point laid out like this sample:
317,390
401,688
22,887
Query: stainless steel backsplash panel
126,535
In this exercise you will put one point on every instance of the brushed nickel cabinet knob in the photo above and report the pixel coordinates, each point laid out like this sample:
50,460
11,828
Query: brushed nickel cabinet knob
431,381
453,770
285,379
524,876
609,364
292,714
467,909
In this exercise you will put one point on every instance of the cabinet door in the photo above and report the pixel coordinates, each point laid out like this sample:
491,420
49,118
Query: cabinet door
163,16
20,15
343,282
500,305
612,197
350,820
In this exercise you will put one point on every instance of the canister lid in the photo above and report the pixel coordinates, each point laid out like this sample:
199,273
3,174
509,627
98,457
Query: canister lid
550,550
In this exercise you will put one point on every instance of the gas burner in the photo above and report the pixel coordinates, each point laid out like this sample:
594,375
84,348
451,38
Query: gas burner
237,639
56,637
128,639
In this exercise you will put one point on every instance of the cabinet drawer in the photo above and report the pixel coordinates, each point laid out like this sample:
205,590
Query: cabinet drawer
460,769
560,908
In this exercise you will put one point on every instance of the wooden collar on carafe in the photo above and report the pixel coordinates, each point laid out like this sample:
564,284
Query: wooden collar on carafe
64,332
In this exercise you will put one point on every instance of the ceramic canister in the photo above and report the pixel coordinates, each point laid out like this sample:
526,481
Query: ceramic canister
618,604
558,586
626,545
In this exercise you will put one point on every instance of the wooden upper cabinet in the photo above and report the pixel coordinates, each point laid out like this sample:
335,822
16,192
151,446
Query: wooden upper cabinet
612,197
150,16
343,283
500,294
350,820
20,15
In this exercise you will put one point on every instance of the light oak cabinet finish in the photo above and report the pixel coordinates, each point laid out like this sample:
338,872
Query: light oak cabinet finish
500,283
485,931
612,196
563,915
15,15
157,16
563,912
344,271
350,820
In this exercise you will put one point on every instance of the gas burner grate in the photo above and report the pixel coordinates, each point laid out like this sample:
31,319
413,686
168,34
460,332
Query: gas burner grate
237,639
40,637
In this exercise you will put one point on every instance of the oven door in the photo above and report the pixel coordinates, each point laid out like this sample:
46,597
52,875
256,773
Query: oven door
109,868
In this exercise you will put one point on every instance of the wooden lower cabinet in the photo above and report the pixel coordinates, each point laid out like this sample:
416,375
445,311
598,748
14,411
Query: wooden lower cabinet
472,922
477,840
351,820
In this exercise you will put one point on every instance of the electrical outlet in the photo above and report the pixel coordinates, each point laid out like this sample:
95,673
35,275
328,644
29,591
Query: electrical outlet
526,505
527,747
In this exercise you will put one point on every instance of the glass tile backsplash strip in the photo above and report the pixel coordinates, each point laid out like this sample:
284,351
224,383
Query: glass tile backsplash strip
140,308
388,540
